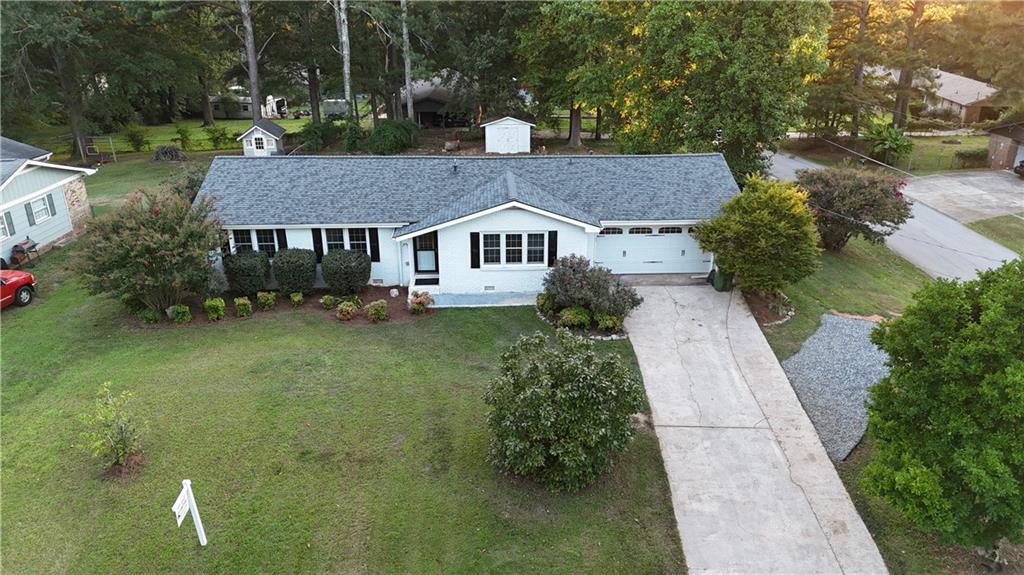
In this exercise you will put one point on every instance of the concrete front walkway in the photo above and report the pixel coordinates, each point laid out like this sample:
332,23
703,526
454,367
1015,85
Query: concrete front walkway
752,487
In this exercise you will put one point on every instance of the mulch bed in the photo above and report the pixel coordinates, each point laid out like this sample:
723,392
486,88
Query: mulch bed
397,309
761,308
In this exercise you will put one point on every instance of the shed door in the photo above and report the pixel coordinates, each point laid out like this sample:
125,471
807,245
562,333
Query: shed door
650,250
507,139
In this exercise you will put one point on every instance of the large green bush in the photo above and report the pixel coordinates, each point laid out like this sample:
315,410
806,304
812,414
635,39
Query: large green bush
848,202
316,137
559,413
765,235
247,271
136,137
154,249
573,281
345,271
295,270
948,420
977,158
392,137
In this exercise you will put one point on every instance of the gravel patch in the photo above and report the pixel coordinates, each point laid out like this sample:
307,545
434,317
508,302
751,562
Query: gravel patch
831,375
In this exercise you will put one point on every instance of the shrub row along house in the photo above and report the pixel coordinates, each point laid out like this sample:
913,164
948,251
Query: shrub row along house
475,230
41,203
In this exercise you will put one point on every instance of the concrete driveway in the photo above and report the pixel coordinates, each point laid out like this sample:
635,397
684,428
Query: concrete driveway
752,487
970,196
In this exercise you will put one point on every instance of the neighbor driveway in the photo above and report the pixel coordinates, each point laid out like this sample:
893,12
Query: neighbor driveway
752,488
970,196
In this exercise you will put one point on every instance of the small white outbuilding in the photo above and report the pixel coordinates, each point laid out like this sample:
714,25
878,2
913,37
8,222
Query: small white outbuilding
507,135
264,138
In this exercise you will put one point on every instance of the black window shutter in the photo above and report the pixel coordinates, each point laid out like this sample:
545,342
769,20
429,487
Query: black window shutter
10,223
318,245
552,248
282,239
374,244
49,200
28,212
474,249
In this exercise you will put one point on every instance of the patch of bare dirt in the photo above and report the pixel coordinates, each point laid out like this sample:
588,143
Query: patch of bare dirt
131,468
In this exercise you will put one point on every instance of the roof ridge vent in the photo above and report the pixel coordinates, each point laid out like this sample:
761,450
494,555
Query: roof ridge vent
455,166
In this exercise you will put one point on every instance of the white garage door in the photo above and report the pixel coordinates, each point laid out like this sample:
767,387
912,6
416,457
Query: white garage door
650,250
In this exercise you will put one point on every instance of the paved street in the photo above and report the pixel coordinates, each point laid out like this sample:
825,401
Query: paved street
934,242
752,487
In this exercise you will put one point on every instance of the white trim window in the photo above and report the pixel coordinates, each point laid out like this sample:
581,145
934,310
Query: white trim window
243,240
670,230
248,142
513,248
258,142
358,241
266,241
40,209
611,231
642,231
334,238
4,233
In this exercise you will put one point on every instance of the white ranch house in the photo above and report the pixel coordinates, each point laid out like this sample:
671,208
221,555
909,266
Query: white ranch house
475,229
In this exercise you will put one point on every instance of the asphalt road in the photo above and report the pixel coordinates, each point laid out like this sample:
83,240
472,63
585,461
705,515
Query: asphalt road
937,244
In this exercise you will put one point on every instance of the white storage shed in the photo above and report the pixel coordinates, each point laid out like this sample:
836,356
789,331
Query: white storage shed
507,135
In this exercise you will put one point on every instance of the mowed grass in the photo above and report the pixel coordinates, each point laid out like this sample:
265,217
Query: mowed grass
863,279
112,182
929,156
1007,230
313,446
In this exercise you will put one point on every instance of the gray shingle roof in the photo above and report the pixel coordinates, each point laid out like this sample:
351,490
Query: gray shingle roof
335,190
508,187
8,166
268,127
13,149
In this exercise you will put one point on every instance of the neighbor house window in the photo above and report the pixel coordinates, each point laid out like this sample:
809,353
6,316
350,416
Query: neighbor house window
335,239
40,209
513,248
492,248
243,240
357,240
535,248
258,142
4,233
245,107
640,231
611,231
266,240
248,142
670,230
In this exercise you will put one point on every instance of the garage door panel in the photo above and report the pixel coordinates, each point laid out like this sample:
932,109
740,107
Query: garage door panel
655,253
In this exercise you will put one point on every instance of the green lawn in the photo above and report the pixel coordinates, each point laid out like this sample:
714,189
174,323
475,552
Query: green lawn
313,446
863,279
114,181
1007,230
930,155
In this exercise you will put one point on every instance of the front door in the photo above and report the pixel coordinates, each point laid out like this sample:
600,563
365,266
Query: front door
425,253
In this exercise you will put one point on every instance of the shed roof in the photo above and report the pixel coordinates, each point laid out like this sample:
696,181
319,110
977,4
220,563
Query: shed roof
273,130
13,149
1013,131
424,190
507,119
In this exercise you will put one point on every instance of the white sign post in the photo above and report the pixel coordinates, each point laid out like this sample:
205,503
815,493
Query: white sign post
187,502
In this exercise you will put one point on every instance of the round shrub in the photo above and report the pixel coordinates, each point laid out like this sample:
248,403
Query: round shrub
148,315
608,323
391,137
576,316
574,282
247,271
419,302
266,300
295,270
181,313
377,311
559,413
347,310
243,307
329,302
345,271
214,308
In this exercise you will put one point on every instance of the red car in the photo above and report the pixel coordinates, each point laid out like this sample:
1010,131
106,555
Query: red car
16,287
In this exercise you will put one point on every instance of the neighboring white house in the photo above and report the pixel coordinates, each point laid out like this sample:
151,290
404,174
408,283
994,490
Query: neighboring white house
264,138
240,107
40,203
507,135
475,228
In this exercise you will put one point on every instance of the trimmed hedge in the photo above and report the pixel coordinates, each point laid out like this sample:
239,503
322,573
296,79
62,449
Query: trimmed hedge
345,271
295,270
977,158
247,271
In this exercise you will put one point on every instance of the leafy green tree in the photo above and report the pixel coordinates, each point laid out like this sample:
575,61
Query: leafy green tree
154,249
848,202
113,431
948,420
725,77
558,414
765,235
